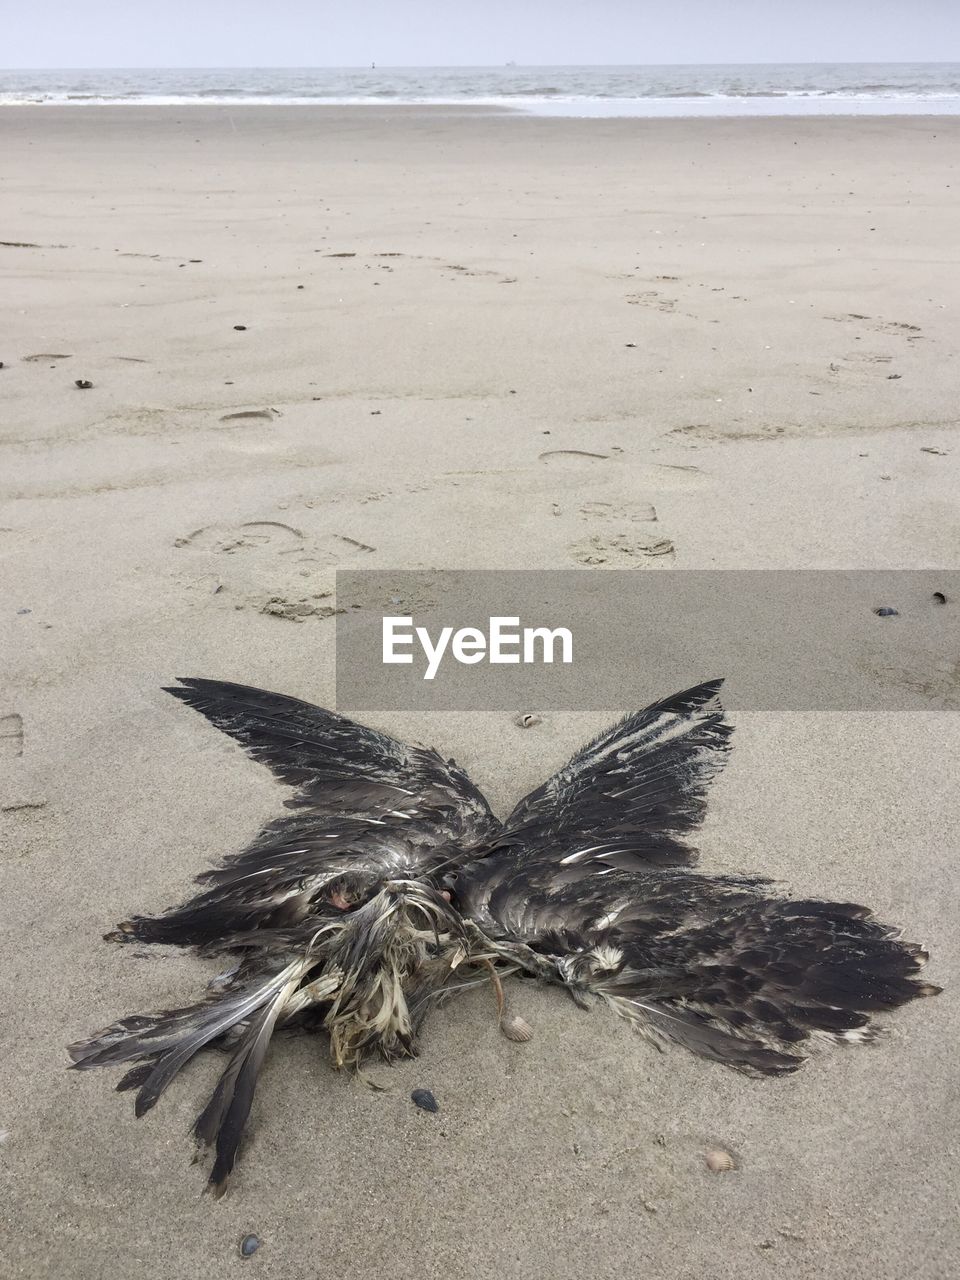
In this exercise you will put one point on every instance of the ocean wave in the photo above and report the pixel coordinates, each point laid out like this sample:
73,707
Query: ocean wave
239,97
752,90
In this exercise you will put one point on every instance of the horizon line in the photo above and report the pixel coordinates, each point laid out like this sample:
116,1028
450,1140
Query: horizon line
497,66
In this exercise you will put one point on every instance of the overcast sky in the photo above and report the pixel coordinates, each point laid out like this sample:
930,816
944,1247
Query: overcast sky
318,33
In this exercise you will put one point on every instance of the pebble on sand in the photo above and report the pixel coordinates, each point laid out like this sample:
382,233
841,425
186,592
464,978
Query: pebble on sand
240,327
425,1100
83,383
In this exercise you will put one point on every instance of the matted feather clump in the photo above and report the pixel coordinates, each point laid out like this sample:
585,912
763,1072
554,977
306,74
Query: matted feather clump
390,884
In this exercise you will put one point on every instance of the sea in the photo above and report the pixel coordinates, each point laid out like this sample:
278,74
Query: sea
928,88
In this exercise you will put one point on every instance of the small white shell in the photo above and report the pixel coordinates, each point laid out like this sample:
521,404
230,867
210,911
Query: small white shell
527,720
719,1161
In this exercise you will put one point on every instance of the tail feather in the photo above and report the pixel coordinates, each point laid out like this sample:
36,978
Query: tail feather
168,1040
223,1119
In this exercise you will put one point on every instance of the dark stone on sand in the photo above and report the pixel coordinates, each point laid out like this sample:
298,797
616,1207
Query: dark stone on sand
83,384
240,327
886,612
249,1246
425,1100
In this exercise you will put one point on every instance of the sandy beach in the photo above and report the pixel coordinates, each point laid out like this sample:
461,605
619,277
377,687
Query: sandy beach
322,338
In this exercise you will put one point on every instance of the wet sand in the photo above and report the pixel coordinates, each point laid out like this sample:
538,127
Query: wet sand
753,324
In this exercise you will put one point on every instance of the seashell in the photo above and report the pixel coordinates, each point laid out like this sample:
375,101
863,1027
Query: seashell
425,1100
527,720
83,383
249,1245
516,1028
719,1161
886,612
938,596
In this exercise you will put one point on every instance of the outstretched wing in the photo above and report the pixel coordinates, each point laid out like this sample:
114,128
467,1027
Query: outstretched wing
366,805
571,851
590,884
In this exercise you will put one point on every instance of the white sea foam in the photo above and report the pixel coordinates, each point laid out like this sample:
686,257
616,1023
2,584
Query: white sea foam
805,89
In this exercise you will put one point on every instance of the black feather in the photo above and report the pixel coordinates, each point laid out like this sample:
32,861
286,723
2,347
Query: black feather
223,1119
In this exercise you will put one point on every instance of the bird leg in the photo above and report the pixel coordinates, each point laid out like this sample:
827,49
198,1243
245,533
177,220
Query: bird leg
497,986
511,1025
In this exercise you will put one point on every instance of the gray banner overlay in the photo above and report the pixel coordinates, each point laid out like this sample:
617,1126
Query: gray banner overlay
810,640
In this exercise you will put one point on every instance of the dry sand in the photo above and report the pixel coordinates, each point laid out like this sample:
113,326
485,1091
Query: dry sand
756,323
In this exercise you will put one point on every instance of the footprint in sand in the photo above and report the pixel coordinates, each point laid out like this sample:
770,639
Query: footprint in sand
899,328
912,332
274,538
652,298
478,271
619,550
669,478
268,566
858,366
252,535
11,735
572,459
302,608
10,539
635,512
252,415
940,687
